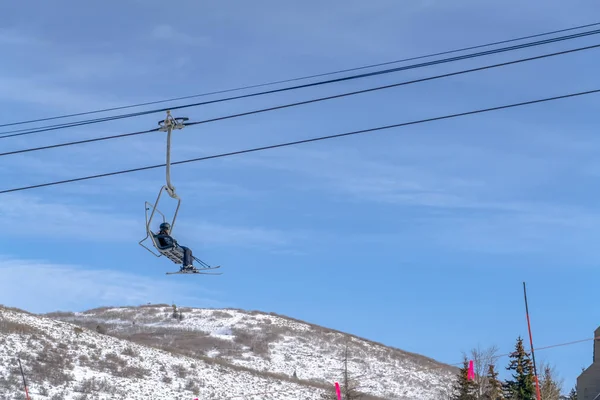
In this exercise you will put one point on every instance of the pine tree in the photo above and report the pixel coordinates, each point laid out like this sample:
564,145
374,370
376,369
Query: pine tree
522,386
464,388
572,394
493,389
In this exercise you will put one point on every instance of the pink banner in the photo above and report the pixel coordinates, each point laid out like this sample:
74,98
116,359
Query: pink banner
471,374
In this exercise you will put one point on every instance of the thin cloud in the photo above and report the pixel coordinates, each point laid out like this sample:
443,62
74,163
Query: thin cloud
39,286
221,235
205,189
453,202
359,178
14,37
552,231
168,33
38,92
36,217
33,216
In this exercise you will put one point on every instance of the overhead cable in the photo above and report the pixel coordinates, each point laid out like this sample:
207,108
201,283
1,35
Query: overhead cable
300,78
123,135
21,132
297,142
458,364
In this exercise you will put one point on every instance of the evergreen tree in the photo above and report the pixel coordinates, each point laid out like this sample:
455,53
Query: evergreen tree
572,394
493,389
464,388
522,386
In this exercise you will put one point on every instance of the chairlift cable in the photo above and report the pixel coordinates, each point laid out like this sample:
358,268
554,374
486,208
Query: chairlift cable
315,139
302,78
300,103
21,132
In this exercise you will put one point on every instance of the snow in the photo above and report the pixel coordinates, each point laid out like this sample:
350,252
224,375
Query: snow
233,366
214,381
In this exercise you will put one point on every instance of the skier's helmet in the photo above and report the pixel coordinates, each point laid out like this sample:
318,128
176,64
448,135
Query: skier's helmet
165,226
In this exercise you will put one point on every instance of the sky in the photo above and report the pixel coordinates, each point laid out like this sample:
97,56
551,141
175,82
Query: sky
417,237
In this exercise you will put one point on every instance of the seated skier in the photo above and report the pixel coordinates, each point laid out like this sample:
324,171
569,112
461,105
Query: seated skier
165,241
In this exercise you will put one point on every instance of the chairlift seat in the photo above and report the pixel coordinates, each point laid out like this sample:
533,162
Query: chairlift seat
173,252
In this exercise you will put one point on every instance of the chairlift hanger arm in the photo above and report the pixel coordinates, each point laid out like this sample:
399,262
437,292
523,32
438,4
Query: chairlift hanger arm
167,125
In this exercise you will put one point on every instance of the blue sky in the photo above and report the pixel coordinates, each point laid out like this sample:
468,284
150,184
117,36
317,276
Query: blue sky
418,237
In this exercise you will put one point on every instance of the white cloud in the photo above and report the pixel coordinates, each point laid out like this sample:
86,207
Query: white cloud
361,178
36,91
459,197
89,67
188,190
19,38
168,33
45,169
31,216
55,77
39,286
213,234
557,232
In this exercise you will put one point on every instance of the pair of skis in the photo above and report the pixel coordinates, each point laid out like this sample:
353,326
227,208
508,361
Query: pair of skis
199,271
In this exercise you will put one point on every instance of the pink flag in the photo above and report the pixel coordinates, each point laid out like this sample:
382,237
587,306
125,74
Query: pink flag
337,390
471,374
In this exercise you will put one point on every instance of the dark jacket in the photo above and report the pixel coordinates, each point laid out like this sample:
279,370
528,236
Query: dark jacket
165,241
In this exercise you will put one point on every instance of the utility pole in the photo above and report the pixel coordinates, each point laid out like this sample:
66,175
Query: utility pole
24,381
537,383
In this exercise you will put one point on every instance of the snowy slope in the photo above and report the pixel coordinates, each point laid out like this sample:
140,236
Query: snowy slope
272,344
65,362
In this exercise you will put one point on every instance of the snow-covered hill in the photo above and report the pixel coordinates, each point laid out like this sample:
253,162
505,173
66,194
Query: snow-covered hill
65,362
269,348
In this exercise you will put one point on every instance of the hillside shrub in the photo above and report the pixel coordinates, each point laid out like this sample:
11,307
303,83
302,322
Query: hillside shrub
221,314
129,351
9,327
180,370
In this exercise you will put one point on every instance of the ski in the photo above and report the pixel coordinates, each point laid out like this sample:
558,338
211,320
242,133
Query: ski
197,271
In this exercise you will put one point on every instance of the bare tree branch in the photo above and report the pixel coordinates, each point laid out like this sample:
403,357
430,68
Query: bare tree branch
482,358
551,385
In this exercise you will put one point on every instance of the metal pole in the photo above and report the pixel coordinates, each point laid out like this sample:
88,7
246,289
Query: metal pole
169,185
537,384
169,121
24,382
